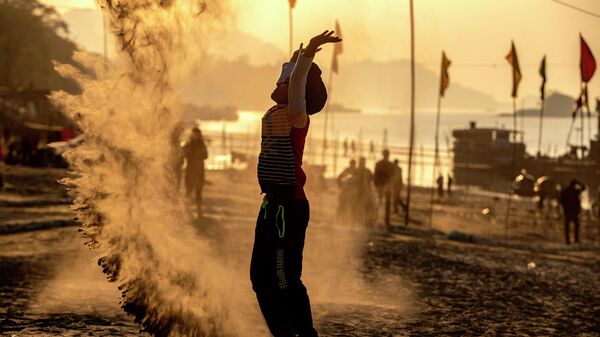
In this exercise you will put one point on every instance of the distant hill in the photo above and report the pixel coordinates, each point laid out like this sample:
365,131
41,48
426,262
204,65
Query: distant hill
384,85
556,105
387,84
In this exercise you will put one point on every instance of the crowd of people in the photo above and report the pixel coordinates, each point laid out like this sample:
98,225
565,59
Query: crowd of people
362,192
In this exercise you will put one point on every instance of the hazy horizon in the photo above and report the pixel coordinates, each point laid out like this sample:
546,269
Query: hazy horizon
475,35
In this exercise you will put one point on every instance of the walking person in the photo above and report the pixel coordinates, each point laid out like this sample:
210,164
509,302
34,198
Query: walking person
397,186
440,186
195,154
571,204
384,171
276,264
449,183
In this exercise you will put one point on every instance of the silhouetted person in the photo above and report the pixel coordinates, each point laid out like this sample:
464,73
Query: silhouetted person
364,177
353,147
397,186
276,264
571,203
384,170
345,145
440,186
449,183
348,173
195,153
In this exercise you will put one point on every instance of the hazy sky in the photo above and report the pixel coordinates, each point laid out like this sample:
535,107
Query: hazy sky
476,35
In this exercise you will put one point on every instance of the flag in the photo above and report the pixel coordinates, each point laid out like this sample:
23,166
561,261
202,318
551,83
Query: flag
587,64
292,3
445,79
337,49
543,74
516,70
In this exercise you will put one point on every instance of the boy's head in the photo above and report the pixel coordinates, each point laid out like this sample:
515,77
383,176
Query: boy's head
316,93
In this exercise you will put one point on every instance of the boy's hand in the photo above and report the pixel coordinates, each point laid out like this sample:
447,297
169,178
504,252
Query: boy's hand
319,40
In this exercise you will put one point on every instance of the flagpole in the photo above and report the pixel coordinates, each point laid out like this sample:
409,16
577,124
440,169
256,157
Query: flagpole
291,38
589,114
436,157
571,129
514,168
542,72
581,136
412,111
541,126
327,112
335,153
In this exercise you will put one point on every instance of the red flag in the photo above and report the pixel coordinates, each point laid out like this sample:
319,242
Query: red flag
587,63
337,49
292,3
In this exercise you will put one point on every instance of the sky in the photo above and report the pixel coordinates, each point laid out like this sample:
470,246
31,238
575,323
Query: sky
476,35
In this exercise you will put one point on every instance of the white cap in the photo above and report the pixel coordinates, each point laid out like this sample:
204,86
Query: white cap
286,71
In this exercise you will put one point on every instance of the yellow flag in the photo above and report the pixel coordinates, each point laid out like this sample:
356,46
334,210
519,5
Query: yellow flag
445,78
513,59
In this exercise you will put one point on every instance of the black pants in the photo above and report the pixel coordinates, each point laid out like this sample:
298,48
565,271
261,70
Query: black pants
574,218
276,267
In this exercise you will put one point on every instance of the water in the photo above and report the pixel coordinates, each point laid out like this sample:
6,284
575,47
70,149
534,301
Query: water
368,127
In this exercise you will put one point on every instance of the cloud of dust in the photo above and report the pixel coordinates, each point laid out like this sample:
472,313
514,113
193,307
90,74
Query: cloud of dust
69,289
336,270
123,175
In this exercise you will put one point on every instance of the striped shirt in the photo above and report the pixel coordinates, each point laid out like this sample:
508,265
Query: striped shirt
280,160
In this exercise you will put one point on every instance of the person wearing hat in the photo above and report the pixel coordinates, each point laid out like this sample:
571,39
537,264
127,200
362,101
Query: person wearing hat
276,264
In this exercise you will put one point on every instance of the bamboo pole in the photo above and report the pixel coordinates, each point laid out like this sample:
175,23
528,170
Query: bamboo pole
514,165
589,115
412,111
291,37
539,152
327,113
582,131
435,158
335,153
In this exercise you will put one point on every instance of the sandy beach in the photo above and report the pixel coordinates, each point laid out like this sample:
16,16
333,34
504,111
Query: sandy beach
410,281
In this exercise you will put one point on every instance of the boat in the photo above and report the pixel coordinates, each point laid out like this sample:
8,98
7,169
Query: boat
489,159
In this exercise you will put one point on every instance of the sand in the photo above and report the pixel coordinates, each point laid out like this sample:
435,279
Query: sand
411,281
